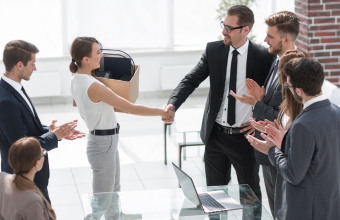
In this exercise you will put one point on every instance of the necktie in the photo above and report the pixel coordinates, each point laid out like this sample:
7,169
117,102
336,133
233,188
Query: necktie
232,86
274,74
23,90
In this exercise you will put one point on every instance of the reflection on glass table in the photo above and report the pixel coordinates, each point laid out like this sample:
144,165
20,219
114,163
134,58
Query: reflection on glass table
169,204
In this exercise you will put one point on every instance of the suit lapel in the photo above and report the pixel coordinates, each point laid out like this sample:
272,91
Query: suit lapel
270,72
224,62
250,60
270,92
21,99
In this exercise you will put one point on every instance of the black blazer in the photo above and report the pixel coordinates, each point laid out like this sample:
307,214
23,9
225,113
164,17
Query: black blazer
17,121
268,109
213,63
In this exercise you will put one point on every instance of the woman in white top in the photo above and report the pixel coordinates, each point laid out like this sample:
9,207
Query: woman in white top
95,104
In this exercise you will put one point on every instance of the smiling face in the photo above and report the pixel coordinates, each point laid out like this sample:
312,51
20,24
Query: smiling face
26,71
236,38
96,55
274,40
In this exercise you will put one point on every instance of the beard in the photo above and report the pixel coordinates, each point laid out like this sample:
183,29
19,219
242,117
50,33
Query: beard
227,42
276,50
297,97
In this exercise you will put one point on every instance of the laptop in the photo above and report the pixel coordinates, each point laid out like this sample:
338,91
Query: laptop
208,202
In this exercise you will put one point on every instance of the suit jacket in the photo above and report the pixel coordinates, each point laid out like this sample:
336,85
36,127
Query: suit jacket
268,109
20,204
17,121
308,180
213,63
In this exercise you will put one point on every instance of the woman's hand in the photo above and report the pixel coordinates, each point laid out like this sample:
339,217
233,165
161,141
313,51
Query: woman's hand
255,90
258,125
167,114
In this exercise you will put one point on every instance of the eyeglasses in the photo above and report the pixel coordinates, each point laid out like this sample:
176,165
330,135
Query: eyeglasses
228,28
43,154
288,86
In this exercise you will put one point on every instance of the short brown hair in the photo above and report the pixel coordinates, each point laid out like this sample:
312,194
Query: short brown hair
81,47
305,73
286,22
18,50
245,15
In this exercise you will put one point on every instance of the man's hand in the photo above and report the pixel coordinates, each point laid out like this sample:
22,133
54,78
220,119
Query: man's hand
64,130
258,125
262,146
255,90
53,126
275,134
247,126
167,108
246,99
75,134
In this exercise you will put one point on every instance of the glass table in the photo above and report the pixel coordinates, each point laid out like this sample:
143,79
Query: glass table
169,204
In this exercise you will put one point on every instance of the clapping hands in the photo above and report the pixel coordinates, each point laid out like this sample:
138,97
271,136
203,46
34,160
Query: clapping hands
66,130
255,90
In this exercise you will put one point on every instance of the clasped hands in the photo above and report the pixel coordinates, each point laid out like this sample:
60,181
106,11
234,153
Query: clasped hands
66,130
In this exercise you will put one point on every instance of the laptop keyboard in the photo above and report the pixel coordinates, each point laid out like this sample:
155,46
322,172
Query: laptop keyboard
210,203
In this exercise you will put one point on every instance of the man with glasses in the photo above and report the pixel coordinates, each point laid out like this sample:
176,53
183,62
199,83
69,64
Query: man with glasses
282,31
226,122
306,157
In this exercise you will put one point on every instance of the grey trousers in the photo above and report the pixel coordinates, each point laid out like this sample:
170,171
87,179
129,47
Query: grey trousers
102,153
103,156
269,175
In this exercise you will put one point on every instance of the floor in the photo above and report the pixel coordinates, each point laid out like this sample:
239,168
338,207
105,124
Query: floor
141,155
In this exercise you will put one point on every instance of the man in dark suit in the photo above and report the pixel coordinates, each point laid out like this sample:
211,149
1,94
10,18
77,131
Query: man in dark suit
306,156
282,31
228,63
18,117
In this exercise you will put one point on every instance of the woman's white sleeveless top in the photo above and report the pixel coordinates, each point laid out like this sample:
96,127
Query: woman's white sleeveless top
99,116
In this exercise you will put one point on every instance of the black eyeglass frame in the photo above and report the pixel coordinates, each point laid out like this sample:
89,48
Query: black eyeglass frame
288,86
43,154
230,29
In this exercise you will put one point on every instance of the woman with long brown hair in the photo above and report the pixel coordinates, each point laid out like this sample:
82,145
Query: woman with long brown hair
20,198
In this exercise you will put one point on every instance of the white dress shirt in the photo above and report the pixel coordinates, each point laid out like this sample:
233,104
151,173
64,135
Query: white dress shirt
313,100
242,112
17,86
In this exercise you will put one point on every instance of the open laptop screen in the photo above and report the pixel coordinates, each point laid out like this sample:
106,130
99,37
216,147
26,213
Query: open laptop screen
187,185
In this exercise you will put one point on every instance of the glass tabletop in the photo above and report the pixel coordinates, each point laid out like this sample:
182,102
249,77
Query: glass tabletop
169,204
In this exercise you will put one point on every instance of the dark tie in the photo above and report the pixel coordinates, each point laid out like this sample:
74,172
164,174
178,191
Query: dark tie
232,86
23,90
274,74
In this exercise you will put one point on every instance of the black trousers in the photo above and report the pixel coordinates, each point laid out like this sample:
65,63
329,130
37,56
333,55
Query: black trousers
223,150
269,175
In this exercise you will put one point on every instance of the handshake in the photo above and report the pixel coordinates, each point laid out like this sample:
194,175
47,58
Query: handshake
169,113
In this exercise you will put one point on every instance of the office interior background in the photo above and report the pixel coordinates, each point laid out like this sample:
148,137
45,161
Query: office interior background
165,37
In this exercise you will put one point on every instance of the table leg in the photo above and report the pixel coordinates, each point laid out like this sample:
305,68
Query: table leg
184,150
165,156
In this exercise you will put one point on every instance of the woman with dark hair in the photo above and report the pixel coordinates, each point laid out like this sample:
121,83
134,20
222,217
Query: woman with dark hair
20,198
95,104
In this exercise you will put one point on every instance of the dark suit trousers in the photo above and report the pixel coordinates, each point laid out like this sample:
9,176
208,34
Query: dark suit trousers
223,150
45,193
269,174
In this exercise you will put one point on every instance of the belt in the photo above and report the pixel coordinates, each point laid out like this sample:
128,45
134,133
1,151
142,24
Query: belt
228,130
106,132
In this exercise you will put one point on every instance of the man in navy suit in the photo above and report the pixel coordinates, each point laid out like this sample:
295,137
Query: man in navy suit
18,117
